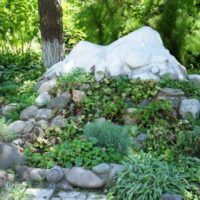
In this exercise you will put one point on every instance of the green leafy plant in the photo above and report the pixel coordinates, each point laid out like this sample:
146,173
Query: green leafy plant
146,178
154,111
107,133
79,152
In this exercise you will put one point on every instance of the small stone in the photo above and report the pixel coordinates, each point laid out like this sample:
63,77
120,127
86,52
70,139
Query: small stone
78,95
80,177
171,197
66,95
17,127
28,126
37,174
47,86
58,103
194,78
64,185
17,142
116,169
44,114
29,112
43,99
31,174
103,168
189,107
59,121
10,156
55,174
141,137
171,92
9,108
43,124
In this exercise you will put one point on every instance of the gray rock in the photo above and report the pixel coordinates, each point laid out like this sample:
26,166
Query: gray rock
28,126
31,174
80,177
29,112
116,169
17,142
47,86
103,168
58,103
45,114
194,78
189,107
171,197
141,137
10,156
55,174
17,127
43,124
38,84
64,185
59,121
9,108
3,177
40,194
171,92
43,99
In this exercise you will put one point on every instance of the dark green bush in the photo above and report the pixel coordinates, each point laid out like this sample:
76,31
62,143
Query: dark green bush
107,133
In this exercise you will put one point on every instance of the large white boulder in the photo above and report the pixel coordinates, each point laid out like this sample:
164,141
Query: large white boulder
140,54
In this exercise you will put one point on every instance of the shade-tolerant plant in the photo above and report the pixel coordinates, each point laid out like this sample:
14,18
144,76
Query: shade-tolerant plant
107,133
79,152
145,178
154,112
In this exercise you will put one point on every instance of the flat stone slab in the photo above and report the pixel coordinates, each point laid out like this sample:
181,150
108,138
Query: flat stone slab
78,196
40,194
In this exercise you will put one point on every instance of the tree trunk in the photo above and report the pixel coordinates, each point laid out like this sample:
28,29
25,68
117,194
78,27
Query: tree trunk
51,27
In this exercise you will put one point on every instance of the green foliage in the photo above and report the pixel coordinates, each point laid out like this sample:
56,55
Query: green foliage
147,178
109,97
14,191
107,133
19,24
153,112
5,134
78,152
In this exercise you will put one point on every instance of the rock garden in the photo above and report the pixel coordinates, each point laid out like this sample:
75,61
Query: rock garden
120,122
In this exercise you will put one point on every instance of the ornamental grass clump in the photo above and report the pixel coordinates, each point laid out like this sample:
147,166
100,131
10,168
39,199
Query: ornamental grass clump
147,178
108,134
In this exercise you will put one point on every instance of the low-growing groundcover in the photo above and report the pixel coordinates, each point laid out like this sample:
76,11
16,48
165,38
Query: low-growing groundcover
170,143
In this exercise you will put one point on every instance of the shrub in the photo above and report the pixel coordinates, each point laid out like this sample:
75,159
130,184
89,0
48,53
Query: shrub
147,178
108,134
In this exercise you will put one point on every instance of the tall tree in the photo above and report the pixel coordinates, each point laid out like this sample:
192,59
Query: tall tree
51,26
